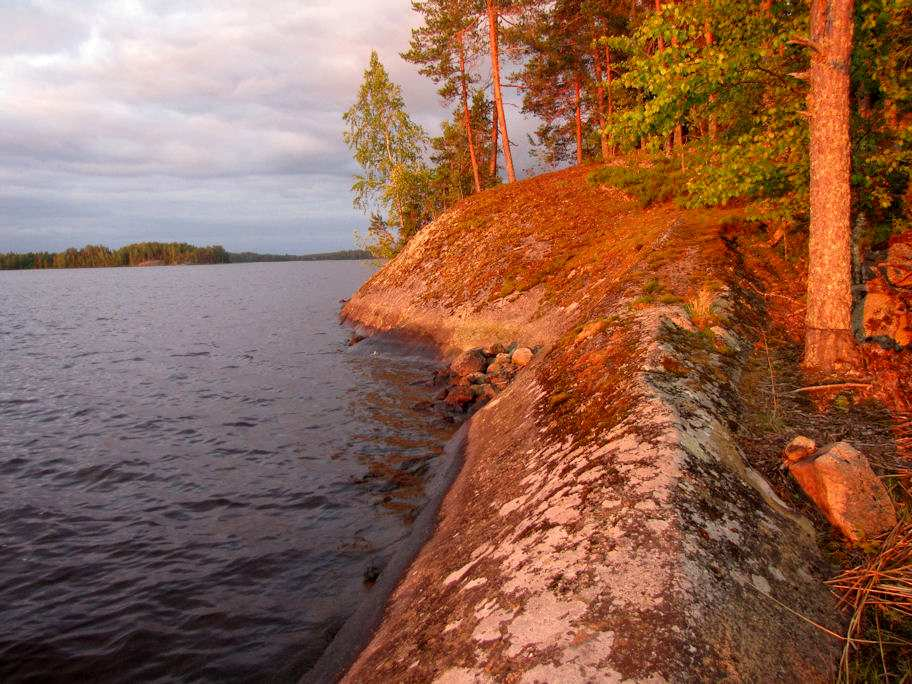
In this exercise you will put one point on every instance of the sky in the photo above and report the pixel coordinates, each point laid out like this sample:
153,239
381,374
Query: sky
209,122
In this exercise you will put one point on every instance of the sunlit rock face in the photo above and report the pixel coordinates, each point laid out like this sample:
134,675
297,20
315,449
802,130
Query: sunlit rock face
604,526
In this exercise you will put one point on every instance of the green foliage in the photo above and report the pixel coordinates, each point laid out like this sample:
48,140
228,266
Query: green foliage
743,82
653,184
452,168
95,256
387,145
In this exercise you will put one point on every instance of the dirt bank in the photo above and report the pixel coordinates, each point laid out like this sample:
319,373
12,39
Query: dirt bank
604,526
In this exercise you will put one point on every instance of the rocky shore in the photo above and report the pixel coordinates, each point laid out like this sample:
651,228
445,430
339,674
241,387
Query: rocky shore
605,525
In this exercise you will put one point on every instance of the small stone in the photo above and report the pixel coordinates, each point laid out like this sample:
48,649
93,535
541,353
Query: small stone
798,448
476,378
372,573
502,358
468,362
845,489
522,356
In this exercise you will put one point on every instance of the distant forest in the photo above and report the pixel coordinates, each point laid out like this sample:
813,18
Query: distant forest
344,254
154,254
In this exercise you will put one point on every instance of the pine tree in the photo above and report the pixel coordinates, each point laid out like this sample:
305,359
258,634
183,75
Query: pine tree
829,341
445,45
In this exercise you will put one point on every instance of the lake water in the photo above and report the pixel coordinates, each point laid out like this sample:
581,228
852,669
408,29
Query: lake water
195,470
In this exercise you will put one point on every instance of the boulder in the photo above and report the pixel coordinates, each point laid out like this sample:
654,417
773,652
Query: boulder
887,313
521,356
840,482
898,266
887,309
468,362
460,396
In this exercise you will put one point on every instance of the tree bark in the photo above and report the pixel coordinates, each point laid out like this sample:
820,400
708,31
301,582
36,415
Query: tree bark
829,342
470,137
498,96
579,120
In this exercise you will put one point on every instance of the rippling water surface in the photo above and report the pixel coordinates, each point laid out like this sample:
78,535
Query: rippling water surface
194,469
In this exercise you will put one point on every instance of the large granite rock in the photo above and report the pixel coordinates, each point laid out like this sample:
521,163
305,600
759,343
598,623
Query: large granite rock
614,535
604,526
839,480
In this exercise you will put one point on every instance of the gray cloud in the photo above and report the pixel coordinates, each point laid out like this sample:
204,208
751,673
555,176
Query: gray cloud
214,121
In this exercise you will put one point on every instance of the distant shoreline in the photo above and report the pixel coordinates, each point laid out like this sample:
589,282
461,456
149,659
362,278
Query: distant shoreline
146,254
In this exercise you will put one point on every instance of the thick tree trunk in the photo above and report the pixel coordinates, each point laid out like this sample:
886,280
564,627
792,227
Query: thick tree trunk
600,98
829,344
498,96
579,120
470,137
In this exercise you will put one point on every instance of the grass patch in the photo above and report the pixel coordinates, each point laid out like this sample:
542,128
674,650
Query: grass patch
661,182
878,595
701,308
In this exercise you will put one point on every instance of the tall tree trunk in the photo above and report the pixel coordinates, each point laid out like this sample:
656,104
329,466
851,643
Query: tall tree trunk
713,119
498,96
679,127
492,164
579,120
470,137
661,48
829,341
600,98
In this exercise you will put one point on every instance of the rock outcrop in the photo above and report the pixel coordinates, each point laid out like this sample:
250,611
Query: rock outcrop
604,526
887,308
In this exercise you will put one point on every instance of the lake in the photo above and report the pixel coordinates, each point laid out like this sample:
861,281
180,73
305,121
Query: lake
195,470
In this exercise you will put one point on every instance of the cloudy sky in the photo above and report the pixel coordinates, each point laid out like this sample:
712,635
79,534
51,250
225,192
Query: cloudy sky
211,121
